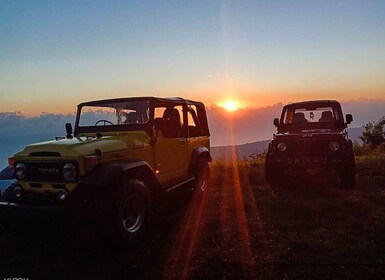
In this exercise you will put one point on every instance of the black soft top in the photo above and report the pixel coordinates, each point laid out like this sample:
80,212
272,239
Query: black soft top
316,103
338,125
176,100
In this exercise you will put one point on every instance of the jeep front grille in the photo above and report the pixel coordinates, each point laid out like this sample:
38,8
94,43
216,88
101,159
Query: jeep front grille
308,146
52,171
44,154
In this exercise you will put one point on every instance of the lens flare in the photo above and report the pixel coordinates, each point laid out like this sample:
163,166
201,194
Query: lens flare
230,106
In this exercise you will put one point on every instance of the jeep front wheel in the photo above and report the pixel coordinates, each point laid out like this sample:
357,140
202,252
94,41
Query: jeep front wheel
133,212
272,173
348,174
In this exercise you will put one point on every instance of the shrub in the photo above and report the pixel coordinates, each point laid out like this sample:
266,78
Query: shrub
374,134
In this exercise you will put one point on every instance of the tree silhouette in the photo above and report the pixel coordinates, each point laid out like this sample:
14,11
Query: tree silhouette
374,134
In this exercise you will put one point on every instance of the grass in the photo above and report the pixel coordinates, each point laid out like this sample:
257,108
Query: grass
240,229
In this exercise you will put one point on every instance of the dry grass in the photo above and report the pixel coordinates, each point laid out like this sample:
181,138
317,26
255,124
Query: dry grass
241,229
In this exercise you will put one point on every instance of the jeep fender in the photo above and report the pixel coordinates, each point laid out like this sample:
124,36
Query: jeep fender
197,153
106,176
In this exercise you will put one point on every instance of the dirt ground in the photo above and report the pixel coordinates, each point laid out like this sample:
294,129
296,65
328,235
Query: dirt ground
240,229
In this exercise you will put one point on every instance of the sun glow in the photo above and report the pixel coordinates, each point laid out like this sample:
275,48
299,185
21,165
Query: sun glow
230,106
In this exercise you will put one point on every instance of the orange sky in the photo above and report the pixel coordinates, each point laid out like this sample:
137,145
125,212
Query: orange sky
61,103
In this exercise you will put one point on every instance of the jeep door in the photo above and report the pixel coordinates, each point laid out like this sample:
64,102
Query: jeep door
198,134
170,149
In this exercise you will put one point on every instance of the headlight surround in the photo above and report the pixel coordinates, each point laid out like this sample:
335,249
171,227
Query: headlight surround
282,146
69,171
334,146
20,171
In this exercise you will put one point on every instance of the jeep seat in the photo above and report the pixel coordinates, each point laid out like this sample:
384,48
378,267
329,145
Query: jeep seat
326,116
299,118
171,126
132,118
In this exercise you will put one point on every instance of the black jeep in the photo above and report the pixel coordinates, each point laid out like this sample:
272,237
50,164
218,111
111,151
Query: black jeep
311,135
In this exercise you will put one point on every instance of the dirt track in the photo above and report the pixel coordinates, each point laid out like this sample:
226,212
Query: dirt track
239,230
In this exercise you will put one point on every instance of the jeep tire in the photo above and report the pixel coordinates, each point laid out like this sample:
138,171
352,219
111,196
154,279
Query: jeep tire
272,174
133,212
348,174
202,174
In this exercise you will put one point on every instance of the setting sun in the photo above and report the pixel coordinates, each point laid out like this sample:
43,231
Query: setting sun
230,106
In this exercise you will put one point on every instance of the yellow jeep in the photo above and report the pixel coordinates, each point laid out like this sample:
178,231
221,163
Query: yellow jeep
120,159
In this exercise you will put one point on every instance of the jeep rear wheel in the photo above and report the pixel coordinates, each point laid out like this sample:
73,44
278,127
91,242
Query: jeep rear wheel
202,175
133,212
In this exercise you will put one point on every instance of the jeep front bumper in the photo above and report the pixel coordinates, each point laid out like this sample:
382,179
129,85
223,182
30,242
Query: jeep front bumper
308,161
39,207
35,213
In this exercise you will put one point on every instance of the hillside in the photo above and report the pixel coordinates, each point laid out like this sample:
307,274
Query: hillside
242,151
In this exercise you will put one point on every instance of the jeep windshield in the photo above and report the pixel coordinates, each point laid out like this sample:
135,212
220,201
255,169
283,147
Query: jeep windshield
115,115
316,117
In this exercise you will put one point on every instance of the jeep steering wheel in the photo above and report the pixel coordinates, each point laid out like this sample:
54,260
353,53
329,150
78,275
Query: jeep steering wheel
104,121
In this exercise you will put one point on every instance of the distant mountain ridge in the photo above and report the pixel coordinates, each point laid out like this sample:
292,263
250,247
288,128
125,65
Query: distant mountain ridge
243,151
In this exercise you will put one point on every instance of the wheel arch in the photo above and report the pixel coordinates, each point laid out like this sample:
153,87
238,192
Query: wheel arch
142,171
198,153
114,173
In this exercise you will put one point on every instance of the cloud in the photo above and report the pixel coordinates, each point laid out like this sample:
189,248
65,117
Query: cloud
364,110
242,126
17,130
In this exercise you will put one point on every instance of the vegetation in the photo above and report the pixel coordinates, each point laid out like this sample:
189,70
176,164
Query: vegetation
240,229
374,134
371,154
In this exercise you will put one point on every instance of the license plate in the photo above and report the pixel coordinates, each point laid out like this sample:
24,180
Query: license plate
307,161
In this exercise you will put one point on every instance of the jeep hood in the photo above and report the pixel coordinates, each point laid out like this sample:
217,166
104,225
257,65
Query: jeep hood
316,127
313,133
87,145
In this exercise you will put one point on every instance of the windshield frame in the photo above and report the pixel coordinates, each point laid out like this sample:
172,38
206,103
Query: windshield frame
337,125
103,129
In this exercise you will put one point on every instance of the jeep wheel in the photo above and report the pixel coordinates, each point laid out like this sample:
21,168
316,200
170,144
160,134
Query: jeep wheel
12,226
272,174
202,175
133,212
348,175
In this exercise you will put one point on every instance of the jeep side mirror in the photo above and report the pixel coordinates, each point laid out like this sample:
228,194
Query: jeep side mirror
276,122
69,130
349,118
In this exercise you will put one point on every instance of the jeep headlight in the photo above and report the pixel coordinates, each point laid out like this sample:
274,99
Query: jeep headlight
18,191
20,171
334,146
69,172
282,147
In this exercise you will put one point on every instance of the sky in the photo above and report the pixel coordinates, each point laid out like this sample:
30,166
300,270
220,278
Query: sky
56,54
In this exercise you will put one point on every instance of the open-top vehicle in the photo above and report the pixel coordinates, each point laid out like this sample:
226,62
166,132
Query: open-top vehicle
121,158
311,135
